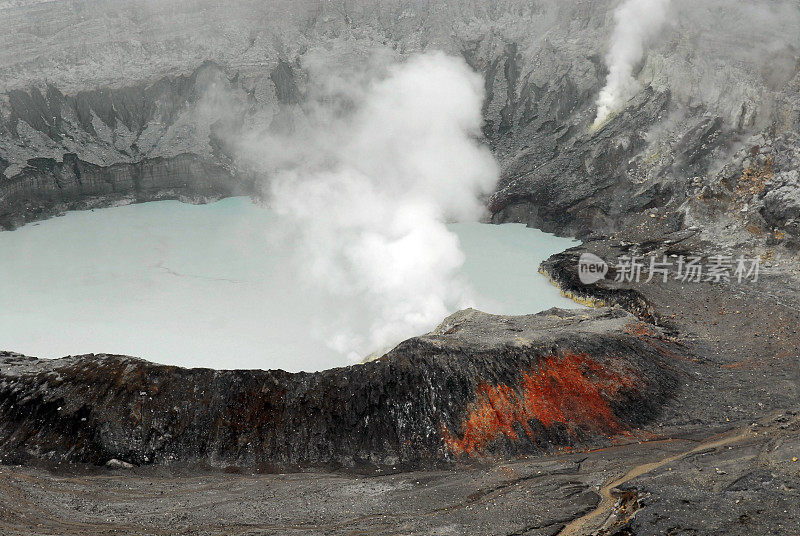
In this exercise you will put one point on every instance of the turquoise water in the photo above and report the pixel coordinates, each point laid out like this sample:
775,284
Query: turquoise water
212,285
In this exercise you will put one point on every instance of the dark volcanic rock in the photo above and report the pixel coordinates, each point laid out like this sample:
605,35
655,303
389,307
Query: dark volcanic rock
46,187
107,146
146,90
133,106
562,270
781,204
739,398
479,385
594,191
285,87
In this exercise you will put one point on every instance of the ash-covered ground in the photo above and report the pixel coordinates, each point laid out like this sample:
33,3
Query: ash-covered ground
693,427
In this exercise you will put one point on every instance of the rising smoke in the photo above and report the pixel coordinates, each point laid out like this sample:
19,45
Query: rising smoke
636,22
366,196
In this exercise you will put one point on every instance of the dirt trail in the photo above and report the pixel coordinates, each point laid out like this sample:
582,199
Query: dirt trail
591,523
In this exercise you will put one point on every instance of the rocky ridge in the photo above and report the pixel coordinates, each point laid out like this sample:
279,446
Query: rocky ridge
699,145
703,160
479,386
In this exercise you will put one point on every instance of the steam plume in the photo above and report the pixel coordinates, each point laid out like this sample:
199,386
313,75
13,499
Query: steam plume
369,212
636,22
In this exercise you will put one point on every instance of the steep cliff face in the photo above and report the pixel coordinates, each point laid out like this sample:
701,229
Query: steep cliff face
164,118
107,146
45,187
711,93
480,385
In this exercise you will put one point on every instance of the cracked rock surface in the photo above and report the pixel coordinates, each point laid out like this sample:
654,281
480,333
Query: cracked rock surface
481,385
671,410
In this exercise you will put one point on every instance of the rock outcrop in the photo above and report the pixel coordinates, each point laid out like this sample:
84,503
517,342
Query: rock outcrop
46,187
682,146
478,386
101,147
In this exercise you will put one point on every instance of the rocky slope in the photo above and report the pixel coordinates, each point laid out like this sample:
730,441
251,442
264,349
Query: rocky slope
718,455
45,186
107,146
109,102
738,483
709,139
478,386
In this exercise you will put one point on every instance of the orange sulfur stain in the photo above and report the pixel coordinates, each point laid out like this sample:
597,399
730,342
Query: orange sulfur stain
572,389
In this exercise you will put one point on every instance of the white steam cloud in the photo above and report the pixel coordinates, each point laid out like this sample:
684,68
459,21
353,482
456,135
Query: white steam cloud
368,197
636,21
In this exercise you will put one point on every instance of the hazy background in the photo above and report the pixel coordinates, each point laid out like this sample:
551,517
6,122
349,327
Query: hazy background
368,126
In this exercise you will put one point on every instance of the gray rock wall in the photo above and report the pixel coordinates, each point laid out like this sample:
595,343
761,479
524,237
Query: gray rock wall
479,386
711,89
